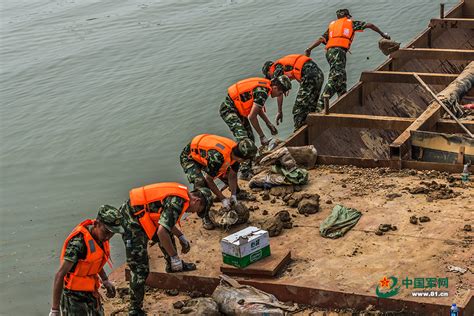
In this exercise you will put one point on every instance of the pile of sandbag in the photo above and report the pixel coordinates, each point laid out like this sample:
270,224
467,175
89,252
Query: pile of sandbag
283,166
226,217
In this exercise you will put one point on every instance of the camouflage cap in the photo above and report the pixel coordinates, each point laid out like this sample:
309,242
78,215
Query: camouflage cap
246,148
285,82
342,13
207,195
111,218
266,68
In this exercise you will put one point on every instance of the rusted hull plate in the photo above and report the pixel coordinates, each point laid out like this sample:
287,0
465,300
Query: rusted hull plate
305,295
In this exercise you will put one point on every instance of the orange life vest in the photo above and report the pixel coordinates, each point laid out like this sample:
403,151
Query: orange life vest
204,142
156,193
237,93
292,65
341,33
85,276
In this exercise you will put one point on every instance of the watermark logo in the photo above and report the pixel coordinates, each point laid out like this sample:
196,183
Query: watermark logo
423,287
387,287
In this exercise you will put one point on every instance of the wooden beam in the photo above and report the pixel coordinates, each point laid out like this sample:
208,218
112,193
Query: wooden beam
451,127
433,53
453,23
359,121
407,77
386,163
455,91
425,121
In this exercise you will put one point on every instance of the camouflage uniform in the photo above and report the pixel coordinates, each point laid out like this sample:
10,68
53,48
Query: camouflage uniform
312,79
78,302
239,125
336,57
84,302
136,242
193,169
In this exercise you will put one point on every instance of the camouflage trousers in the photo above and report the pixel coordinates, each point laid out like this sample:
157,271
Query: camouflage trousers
78,303
136,250
308,94
239,126
337,78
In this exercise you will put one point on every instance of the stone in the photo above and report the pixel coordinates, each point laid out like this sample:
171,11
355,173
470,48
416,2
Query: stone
265,196
178,305
467,228
172,292
273,201
273,226
424,219
284,216
287,225
281,190
413,220
292,203
265,212
308,206
195,294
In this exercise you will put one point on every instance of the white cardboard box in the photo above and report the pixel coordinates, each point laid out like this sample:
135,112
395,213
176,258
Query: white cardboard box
245,242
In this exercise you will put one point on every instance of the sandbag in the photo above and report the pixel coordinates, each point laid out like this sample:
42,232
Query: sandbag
200,306
224,218
239,300
388,46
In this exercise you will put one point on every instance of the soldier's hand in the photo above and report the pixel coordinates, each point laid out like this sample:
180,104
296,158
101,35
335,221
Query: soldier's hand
185,244
307,52
54,312
109,286
264,141
272,129
386,36
226,203
279,118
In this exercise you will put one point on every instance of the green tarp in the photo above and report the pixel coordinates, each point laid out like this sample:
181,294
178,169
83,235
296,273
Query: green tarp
341,220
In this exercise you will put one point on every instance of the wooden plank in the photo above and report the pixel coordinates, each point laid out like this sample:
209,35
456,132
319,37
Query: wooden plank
425,121
433,53
451,127
359,121
385,163
454,23
265,268
407,77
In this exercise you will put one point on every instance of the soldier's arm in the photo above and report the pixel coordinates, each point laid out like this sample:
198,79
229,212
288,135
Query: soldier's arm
371,26
213,187
172,208
232,181
65,267
323,39
214,164
254,112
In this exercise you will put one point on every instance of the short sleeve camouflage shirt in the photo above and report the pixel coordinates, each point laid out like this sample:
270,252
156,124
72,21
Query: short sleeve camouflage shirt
172,207
260,95
214,162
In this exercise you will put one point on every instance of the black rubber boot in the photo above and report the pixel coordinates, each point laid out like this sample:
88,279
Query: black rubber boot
187,266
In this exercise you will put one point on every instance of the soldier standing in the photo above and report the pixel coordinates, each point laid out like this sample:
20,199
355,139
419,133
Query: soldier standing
304,70
338,39
83,256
